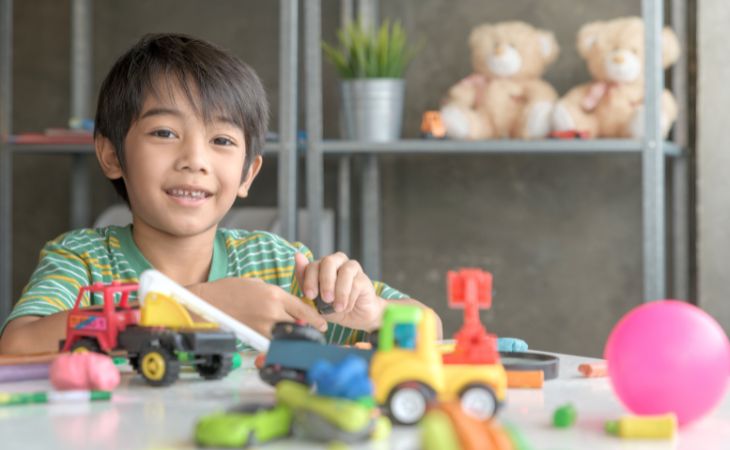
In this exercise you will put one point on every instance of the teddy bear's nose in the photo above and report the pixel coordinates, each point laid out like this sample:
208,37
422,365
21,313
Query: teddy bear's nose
618,59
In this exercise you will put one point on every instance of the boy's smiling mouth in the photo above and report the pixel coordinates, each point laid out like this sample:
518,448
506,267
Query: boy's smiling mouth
188,195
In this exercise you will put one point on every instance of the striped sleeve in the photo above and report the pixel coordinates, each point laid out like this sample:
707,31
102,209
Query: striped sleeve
53,287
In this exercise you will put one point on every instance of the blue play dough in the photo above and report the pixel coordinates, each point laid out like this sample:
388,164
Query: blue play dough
508,344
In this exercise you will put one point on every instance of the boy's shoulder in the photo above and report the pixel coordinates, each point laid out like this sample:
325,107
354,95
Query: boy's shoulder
84,239
246,240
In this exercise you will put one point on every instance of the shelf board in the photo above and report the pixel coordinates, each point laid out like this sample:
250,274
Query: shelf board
504,146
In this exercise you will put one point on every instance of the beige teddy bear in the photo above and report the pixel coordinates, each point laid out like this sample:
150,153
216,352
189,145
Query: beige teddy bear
505,96
612,104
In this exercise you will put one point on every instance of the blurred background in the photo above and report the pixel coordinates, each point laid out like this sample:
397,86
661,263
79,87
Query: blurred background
561,234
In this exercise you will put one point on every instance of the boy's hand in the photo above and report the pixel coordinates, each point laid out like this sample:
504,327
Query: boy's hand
257,303
341,282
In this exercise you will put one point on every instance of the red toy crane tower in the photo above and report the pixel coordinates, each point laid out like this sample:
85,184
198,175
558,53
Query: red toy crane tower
471,289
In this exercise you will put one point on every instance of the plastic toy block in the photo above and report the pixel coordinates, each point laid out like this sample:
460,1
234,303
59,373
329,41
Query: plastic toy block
432,126
326,419
237,360
525,379
437,433
383,428
565,416
570,134
593,370
519,441
346,379
244,425
508,344
475,434
259,361
301,355
644,427
471,289
323,307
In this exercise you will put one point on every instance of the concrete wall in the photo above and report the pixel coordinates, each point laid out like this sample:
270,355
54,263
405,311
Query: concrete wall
562,234
713,158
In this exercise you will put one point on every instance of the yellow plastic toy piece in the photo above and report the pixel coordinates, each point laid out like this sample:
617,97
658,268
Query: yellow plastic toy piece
644,427
159,310
394,366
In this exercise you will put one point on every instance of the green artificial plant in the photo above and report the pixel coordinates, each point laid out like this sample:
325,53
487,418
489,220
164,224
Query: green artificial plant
366,53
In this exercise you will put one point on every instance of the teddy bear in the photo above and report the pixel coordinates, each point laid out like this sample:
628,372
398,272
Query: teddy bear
505,96
612,104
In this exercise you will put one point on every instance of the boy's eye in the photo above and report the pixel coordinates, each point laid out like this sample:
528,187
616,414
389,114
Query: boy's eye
163,133
222,141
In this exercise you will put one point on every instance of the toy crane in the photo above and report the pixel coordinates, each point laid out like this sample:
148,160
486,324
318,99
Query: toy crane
471,289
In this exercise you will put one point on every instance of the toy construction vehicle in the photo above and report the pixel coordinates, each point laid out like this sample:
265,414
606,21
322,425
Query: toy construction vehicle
152,334
407,366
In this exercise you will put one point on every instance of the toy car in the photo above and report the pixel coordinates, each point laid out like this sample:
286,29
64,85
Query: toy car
244,425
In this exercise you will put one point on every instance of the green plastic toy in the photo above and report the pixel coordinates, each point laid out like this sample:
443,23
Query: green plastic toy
244,425
564,416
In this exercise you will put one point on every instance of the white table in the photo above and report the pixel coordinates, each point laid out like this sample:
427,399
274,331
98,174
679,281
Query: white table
141,417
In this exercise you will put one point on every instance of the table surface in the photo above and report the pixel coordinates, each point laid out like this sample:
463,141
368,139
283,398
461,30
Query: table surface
142,417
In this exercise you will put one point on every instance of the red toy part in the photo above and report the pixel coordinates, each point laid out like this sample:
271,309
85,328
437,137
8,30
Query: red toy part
471,289
102,324
570,134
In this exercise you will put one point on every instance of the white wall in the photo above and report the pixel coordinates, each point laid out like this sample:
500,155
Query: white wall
713,158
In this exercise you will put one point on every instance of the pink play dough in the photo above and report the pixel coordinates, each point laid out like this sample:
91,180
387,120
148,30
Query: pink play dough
85,370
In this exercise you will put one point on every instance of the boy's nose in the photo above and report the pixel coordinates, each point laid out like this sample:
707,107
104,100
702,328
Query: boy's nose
193,156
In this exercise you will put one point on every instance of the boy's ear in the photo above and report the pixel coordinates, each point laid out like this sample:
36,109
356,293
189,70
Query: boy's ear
107,157
253,170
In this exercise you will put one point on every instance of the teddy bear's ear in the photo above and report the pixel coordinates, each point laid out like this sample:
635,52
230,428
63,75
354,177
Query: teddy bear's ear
587,37
548,46
479,33
670,47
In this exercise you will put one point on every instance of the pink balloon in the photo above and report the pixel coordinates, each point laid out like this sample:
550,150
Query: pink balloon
85,370
668,356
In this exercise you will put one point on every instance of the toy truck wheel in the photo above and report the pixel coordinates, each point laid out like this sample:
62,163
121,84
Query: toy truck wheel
158,365
86,345
407,402
296,332
479,401
215,366
274,373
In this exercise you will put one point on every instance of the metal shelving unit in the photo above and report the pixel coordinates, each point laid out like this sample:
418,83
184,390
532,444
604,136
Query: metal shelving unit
81,82
651,148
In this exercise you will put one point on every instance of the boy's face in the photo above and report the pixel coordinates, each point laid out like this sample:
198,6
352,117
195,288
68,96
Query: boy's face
182,175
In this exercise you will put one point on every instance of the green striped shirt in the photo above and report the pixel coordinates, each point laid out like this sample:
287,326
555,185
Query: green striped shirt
81,257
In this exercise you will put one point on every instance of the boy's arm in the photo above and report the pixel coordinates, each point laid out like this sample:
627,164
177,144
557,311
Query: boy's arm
256,303
33,334
38,319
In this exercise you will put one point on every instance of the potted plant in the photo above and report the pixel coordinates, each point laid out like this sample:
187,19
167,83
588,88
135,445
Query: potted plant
371,63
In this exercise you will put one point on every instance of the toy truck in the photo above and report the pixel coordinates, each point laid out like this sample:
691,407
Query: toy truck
152,333
407,366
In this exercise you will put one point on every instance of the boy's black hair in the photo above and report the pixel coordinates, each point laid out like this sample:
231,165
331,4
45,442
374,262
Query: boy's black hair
214,81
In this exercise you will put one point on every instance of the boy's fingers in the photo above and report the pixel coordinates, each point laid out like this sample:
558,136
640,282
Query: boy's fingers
301,264
328,268
300,310
343,286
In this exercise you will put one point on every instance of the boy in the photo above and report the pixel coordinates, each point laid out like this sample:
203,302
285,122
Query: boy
180,125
